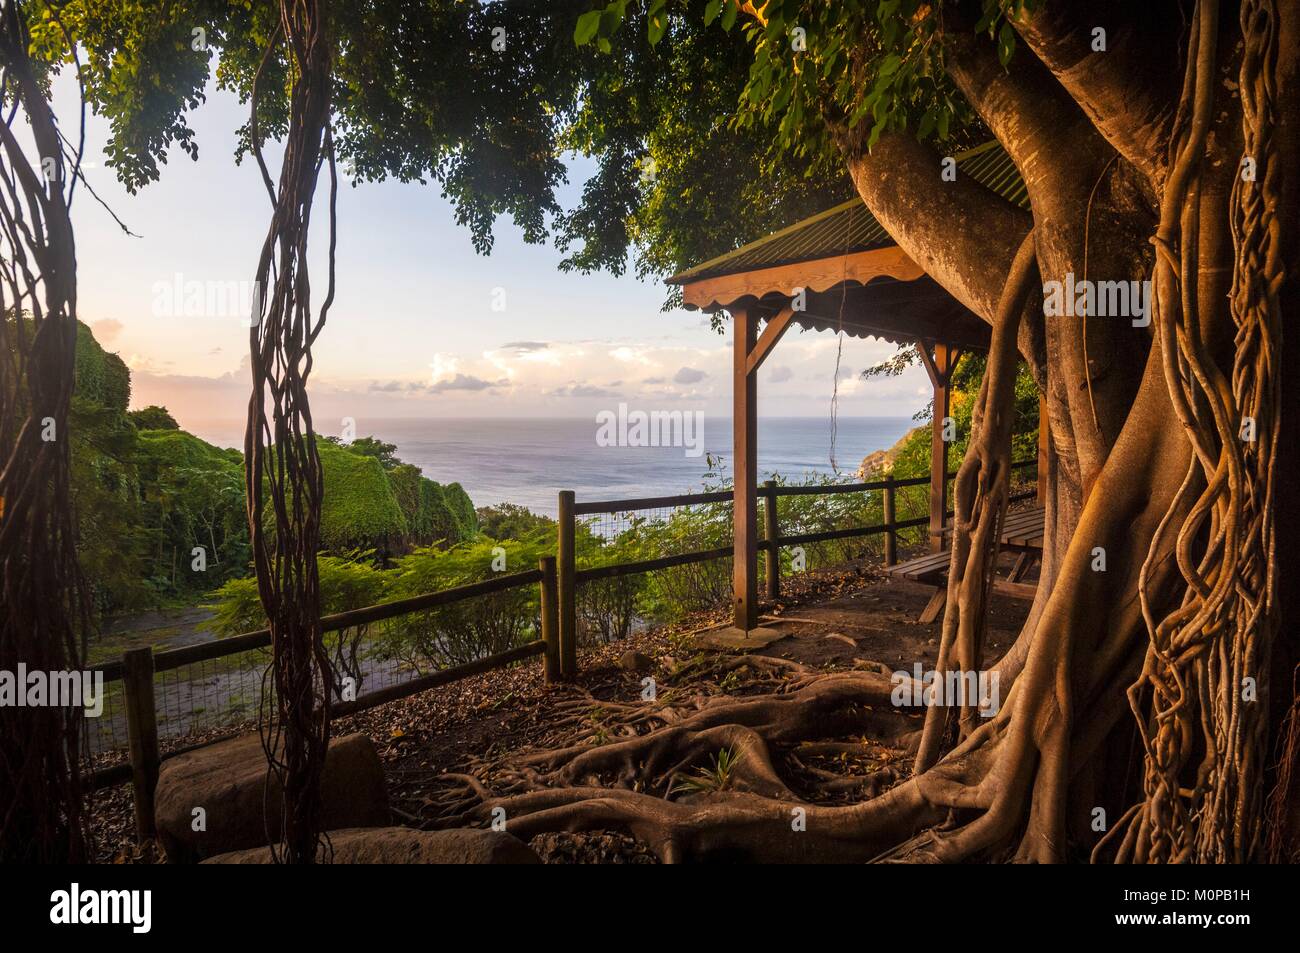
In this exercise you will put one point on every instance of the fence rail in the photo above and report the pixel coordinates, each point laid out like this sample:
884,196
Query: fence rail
557,578
136,670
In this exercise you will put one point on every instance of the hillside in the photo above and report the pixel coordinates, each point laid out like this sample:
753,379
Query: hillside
151,495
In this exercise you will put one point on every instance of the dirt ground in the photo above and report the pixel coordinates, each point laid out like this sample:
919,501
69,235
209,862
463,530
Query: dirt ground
851,617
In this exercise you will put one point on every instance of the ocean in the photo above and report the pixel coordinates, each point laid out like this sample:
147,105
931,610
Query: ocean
528,461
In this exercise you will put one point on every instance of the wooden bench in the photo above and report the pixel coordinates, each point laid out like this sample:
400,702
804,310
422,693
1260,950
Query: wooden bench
1022,532
928,570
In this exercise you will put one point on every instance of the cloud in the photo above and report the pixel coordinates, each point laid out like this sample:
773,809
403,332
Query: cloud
689,375
107,330
629,355
581,390
780,375
463,382
445,367
143,364
525,347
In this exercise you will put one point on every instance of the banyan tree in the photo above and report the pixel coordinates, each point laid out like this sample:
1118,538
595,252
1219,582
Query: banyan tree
1153,683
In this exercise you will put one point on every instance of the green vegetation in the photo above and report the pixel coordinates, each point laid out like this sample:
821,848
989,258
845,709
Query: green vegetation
192,497
434,513
101,378
912,457
717,777
511,521
153,417
360,508
161,512
510,538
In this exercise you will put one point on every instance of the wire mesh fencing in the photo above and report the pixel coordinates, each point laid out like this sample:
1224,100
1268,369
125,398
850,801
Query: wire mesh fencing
650,531
639,563
198,699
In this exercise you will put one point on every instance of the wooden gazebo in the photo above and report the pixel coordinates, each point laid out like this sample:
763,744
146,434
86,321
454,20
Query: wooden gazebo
849,275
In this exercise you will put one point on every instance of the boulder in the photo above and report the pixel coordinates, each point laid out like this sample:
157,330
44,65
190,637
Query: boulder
402,845
228,781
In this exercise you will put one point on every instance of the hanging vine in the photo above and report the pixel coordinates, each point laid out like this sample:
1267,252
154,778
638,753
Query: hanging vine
1206,667
45,615
282,468
980,496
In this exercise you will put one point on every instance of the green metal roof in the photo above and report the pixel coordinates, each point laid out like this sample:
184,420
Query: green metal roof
850,227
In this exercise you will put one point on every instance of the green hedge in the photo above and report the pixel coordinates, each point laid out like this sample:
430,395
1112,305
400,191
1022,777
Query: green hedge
360,507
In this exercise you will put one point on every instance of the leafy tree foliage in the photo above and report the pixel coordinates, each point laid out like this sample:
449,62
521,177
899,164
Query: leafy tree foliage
512,521
153,417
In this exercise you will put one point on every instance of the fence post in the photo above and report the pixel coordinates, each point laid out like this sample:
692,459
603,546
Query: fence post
550,618
771,533
568,612
142,735
891,535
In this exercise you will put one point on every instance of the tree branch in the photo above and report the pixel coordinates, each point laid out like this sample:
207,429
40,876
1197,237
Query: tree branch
1130,90
962,234
1027,109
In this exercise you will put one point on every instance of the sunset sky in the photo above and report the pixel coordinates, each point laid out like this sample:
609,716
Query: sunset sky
413,331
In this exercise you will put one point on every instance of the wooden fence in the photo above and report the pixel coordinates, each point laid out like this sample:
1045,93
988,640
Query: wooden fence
557,578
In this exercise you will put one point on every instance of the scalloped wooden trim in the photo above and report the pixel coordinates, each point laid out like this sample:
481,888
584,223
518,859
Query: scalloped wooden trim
817,275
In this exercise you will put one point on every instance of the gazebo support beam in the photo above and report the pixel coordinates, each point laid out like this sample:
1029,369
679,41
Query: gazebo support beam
772,332
747,356
744,422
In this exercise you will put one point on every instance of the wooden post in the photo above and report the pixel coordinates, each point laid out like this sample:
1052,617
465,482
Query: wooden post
1044,442
891,535
550,611
142,736
567,606
744,425
772,533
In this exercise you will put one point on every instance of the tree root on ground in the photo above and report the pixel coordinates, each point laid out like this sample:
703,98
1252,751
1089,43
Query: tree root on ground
781,746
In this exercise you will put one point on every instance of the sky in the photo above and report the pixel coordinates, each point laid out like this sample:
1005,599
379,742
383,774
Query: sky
422,325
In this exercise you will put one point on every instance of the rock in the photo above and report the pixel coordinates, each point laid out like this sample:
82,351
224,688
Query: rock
227,780
879,463
874,464
633,661
402,845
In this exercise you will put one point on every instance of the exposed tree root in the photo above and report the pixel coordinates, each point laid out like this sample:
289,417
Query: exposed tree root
1000,793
